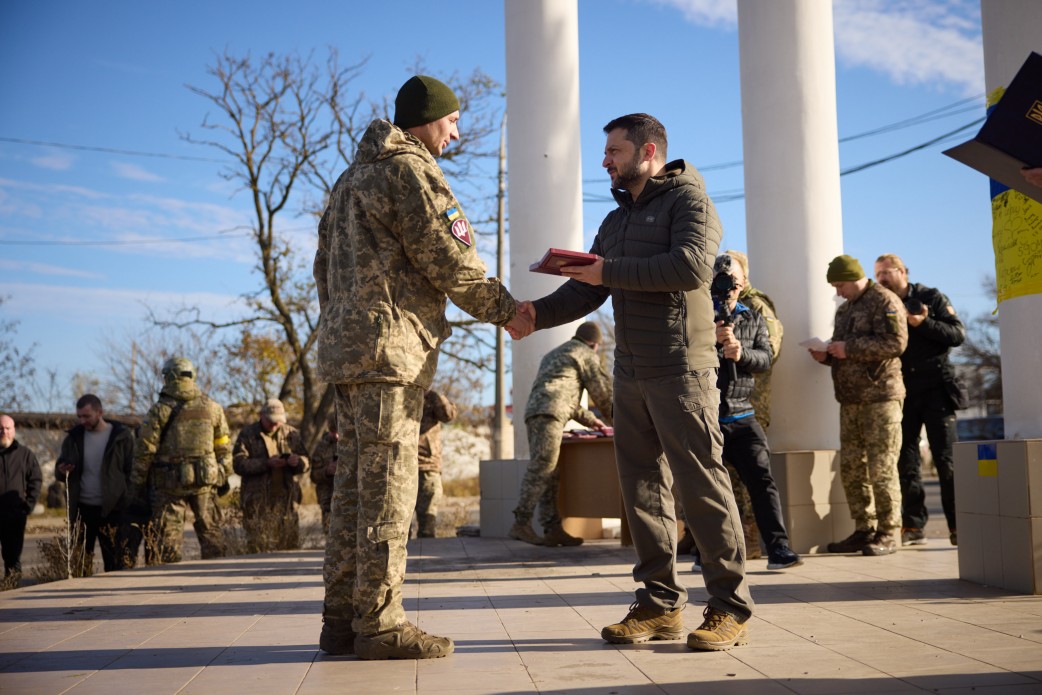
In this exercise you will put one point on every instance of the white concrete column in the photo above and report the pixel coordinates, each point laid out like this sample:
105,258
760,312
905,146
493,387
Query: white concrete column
1011,30
545,172
792,200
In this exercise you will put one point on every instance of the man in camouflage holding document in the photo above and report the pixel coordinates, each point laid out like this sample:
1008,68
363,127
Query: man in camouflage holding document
393,245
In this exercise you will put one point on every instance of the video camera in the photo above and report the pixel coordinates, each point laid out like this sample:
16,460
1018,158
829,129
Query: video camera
723,284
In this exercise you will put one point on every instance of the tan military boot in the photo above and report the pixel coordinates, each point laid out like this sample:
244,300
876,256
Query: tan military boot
719,632
557,536
337,638
642,624
403,642
524,532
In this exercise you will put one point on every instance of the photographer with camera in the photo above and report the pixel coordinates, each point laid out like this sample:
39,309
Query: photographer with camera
270,456
933,395
744,348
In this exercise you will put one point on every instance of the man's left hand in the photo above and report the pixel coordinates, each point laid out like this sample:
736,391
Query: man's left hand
590,274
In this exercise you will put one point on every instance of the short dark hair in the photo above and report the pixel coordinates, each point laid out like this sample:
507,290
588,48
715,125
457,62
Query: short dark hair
641,129
91,400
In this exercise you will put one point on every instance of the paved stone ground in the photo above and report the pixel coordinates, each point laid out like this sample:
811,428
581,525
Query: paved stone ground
525,620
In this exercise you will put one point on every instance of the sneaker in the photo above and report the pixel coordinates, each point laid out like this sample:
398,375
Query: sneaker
337,638
782,557
524,532
854,543
883,543
557,536
697,566
642,624
953,537
686,544
913,536
403,642
719,632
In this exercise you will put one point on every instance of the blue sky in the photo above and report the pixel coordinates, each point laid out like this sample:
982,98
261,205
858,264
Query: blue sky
113,75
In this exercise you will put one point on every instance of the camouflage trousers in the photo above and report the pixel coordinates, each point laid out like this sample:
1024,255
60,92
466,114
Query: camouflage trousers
540,483
270,524
168,523
428,497
324,493
870,443
374,493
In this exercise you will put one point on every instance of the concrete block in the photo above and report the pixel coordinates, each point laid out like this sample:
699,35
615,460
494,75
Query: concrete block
806,477
991,546
1012,479
971,552
1036,555
1017,561
965,467
842,523
809,527
976,478
490,477
1033,462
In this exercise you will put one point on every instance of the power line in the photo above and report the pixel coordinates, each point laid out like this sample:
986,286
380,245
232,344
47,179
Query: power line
111,150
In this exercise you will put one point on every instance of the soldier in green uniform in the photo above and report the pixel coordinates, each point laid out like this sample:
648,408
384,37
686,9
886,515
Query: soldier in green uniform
393,245
323,469
436,410
563,374
270,457
184,443
871,332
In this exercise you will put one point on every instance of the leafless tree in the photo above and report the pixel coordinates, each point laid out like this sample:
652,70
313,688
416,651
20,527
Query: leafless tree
978,358
17,368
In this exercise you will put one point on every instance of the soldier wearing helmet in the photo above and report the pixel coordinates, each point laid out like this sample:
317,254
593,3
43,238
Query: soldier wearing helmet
185,444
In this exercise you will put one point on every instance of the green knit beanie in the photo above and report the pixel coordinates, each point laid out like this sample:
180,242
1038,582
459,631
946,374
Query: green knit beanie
423,100
844,269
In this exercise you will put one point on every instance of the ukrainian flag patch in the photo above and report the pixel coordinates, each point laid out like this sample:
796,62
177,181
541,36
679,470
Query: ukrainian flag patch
987,461
452,214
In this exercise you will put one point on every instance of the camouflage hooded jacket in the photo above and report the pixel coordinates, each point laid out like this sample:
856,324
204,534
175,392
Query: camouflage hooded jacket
875,329
195,452
436,410
392,245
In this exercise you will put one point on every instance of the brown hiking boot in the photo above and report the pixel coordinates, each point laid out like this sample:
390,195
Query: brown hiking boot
557,536
337,638
643,624
719,632
403,642
524,532
854,543
883,543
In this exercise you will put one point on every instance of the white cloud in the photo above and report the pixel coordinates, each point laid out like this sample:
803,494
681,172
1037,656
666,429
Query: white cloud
133,172
912,42
54,160
44,269
708,13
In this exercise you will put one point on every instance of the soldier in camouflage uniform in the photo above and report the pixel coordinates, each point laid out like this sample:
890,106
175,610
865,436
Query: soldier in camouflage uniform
436,410
393,245
871,332
563,374
270,457
323,469
184,443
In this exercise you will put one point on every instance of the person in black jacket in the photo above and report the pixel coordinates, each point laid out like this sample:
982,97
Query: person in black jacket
933,395
20,484
742,342
96,458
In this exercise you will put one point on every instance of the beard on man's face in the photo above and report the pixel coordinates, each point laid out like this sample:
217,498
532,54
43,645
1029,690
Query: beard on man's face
628,173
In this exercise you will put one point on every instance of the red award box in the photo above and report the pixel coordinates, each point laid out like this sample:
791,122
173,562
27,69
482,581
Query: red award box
554,259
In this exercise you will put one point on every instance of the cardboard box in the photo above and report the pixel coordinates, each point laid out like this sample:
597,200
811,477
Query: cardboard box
1011,137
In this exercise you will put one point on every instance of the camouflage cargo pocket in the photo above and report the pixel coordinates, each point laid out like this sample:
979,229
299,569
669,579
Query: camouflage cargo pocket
186,474
206,473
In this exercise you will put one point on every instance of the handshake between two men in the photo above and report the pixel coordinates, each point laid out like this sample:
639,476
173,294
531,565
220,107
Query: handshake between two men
523,323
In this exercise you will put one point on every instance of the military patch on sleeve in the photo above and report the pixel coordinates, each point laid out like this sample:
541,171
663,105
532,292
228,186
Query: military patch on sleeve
892,320
452,214
461,230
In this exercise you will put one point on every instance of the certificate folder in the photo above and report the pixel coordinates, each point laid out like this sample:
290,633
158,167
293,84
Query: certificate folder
1011,137
554,259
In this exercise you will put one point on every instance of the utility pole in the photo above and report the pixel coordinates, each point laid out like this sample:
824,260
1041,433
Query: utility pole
500,418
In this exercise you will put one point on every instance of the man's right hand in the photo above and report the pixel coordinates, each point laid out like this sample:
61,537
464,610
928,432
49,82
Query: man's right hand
818,355
276,462
523,323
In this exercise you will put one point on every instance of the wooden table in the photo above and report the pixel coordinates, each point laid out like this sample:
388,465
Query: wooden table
589,487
